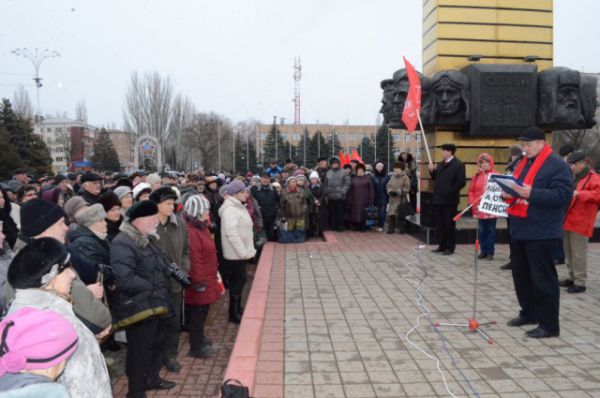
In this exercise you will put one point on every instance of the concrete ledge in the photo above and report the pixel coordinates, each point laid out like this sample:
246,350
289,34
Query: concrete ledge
244,357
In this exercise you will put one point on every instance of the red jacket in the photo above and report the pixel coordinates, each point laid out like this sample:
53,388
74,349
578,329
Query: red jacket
203,266
478,185
582,211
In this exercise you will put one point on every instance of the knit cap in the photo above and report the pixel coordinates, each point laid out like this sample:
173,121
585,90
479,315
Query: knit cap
35,339
91,215
73,205
38,215
196,206
122,191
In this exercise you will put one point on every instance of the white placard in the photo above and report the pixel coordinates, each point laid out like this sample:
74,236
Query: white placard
492,202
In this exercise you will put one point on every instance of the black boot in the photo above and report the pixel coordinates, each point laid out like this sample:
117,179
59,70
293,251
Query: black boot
235,304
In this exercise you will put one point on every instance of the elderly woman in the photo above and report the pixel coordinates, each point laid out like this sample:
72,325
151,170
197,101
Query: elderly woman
360,196
205,288
237,240
42,275
112,206
125,195
294,208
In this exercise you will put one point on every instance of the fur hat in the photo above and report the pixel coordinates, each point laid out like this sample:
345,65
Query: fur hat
38,215
153,179
196,205
162,194
109,200
73,205
122,191
145,208
91,215
87,177
314,174
37,263
141,188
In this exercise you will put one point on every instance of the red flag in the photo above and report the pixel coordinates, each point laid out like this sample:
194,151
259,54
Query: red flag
412,105
356,156
343,159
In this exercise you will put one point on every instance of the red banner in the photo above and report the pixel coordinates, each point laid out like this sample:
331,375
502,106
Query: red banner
412,105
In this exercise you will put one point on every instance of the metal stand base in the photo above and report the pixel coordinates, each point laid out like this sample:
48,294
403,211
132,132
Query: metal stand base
473,325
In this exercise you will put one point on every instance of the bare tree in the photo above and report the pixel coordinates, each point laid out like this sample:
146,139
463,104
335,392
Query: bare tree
178,155
81,112
22,103
210,139
148,103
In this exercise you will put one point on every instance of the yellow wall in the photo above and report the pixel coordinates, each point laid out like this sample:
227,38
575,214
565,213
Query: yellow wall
503,32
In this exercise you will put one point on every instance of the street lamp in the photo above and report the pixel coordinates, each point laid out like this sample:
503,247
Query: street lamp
36,57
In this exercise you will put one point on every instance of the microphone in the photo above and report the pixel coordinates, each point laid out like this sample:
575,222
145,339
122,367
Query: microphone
512,164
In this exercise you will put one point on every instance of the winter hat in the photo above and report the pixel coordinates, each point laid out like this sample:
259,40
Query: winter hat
299,172
91,215
236,186
223,191
301,177
59,178
334,160
14,185
276,185
145,208
37,263
124,182
35,339
360,166
141,188
71,176
314,174
122,191
38,215
292,178
162,194
52,195
576,156
87,177
196,206
108,200
565,150
153,179
73,205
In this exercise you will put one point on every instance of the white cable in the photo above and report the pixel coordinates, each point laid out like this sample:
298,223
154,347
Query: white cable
427,314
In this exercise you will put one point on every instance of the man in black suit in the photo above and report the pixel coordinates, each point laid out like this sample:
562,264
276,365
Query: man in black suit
449,178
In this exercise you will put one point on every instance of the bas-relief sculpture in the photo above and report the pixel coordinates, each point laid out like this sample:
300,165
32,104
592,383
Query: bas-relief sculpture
566,100
395,91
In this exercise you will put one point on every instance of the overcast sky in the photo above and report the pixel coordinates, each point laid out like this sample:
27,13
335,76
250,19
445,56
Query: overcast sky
236,57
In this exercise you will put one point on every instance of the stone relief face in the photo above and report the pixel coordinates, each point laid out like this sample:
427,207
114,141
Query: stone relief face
568,103
400,93
387,100
447,97
560,102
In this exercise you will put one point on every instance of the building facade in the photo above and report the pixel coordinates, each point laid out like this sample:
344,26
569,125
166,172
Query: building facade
123,143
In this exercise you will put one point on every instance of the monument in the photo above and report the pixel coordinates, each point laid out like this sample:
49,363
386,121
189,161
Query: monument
147,153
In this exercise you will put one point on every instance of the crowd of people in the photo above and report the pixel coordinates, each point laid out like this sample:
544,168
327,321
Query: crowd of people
148,254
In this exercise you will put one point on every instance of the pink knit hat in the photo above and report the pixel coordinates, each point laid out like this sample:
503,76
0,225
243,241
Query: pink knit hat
35,339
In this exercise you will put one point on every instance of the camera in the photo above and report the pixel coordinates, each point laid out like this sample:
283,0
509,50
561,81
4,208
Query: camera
176,273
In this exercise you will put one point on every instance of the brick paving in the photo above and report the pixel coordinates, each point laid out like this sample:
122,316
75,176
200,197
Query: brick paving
348,309
199,378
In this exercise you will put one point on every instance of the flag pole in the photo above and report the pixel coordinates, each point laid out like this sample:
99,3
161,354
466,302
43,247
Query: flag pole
424,138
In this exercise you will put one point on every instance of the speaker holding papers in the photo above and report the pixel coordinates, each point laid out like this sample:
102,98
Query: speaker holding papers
507,183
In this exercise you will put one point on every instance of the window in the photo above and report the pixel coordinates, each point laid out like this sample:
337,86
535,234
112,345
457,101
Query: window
396,138
406,137
59,159
284,136
58,130
48,129
352,137
339,136
263,136
418,137
296,137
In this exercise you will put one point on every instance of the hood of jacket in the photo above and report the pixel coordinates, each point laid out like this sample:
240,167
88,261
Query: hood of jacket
231,202
491,159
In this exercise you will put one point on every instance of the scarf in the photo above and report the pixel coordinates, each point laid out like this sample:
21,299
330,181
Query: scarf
519,206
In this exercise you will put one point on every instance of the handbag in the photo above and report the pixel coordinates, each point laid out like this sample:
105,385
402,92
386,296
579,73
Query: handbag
371,216
233,388
405,208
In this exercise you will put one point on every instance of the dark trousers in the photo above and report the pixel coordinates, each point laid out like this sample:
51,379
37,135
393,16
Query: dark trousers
173,327
536,281
337,214
445,226
381,212
235,273
145,345
487,235
195,316
269,227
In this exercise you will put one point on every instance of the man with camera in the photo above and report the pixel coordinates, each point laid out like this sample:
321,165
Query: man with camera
142,299
173,235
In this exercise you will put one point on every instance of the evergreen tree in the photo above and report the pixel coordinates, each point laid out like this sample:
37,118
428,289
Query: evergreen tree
384,146
274,152
29,147
305,156
367,151
245,155
10,157
318,147
105,156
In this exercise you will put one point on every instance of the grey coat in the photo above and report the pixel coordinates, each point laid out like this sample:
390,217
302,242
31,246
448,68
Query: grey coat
336,185
86,374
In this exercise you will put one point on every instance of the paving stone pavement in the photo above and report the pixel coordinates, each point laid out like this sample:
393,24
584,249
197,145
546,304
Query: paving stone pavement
348,309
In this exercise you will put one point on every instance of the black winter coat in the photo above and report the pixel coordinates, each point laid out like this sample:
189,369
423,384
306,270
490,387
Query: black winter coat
268,200
139,266
87,251
449,178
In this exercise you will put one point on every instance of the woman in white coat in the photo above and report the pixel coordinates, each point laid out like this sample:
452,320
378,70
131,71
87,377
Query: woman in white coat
237,240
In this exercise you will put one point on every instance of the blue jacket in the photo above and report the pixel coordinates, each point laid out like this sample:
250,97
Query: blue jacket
379,183
551,193
273,172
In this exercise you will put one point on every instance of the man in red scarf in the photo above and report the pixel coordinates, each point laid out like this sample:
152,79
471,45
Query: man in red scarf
536,218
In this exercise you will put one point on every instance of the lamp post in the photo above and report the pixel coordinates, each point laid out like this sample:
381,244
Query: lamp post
36,57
